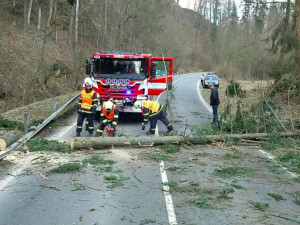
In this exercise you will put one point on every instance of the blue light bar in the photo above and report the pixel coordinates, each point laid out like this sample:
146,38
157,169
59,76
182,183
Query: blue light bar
114,52
128,92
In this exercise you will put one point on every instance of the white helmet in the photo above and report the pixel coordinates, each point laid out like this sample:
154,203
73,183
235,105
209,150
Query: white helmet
88,81
138,104
108,105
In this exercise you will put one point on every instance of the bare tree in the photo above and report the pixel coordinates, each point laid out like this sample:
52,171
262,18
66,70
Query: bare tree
39,15
29,12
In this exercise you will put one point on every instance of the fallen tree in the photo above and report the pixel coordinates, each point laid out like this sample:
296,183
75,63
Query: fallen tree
8,139
95,142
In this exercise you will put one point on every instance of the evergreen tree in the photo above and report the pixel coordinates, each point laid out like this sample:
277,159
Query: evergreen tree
233,17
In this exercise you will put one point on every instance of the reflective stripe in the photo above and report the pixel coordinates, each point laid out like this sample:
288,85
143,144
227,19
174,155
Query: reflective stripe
95,100
114,123
157,112
87,99
104,121
102,114
146,114
86,122
91,127
100,131
116,116
79,126
146,119
153,129
169,125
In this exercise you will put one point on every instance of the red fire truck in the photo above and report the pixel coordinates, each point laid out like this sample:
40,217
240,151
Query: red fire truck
124,77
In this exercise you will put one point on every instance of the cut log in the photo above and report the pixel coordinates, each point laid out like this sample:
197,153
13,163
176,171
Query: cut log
95,142
8,139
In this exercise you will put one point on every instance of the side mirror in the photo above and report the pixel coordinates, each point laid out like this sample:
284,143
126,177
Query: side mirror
88,67
153,71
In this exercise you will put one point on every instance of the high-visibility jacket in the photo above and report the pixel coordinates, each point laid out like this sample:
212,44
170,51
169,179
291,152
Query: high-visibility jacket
87,100
110,116
153,106
150,108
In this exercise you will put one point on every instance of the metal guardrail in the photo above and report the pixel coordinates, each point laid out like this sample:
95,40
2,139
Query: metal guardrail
31,134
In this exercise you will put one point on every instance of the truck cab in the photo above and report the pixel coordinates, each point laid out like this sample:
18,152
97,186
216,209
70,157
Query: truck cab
124,77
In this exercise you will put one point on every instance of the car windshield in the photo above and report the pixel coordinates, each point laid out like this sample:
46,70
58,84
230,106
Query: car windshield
120,68
211,77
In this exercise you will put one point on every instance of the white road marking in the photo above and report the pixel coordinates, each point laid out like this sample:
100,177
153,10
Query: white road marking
164,178
168,197
271,157
201,97
58,135
14,172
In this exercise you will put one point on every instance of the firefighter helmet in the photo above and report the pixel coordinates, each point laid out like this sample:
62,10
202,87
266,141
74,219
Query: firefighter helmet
108,106
88,81
138,104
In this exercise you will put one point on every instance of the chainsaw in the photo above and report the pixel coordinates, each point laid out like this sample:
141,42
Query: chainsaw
110,132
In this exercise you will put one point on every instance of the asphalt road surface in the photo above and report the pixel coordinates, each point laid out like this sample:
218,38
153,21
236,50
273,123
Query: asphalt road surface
27,198
138,185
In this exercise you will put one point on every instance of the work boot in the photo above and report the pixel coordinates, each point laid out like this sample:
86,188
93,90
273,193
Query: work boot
90,134
170,129
77,134
150,132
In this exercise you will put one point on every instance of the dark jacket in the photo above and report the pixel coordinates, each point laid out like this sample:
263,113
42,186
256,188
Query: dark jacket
214,97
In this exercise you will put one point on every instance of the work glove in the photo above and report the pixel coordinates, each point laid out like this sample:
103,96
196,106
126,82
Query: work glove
143,126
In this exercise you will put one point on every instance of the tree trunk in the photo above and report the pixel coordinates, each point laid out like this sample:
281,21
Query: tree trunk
71,23
8,139
14,12
76,22
210,10
41,66
29,12
297,8
105,19
95,142
39,16
55,17
25,16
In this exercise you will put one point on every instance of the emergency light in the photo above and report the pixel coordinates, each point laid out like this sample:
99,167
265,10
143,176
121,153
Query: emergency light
128,92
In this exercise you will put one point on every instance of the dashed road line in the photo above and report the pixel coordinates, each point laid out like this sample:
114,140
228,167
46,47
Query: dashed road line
168,197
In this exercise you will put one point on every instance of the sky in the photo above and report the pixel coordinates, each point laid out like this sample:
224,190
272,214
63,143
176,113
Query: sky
190,4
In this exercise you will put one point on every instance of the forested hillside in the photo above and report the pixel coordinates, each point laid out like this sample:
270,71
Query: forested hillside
44,43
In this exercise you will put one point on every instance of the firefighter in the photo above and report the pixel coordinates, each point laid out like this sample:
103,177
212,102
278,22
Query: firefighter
87,105
109,115
152,111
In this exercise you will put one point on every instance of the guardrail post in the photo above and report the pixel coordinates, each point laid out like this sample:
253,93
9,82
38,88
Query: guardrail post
26,123
54,107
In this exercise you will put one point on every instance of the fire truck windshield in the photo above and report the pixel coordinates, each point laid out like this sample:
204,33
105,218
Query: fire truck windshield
120,68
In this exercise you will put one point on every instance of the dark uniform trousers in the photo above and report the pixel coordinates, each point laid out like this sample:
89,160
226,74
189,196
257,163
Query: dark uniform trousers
89,123
159,116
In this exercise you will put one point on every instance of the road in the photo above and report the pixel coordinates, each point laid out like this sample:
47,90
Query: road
29,199
150,186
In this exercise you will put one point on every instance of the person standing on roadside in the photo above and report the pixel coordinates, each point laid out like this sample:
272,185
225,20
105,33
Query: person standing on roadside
214,102
202,79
